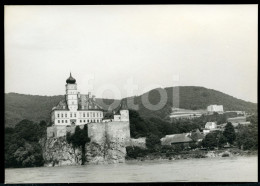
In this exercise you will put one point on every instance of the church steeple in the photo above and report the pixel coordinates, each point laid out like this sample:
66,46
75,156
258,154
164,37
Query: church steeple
71,80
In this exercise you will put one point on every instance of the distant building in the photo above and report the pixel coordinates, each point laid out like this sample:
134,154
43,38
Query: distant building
177,139
75,108
79,109
210,125
239,113
215,108
185,113
237,119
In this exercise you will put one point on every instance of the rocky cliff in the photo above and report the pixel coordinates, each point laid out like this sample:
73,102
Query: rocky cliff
57,152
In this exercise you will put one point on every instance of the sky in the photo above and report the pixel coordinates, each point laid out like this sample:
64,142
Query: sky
109,49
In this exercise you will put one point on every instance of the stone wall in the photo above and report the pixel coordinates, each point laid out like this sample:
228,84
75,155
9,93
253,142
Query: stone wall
108,144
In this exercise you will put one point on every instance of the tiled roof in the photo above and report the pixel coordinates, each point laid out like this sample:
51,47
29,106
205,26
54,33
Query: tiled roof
62,105
84,103
176,138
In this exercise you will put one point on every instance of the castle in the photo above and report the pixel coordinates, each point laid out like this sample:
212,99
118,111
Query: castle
77,110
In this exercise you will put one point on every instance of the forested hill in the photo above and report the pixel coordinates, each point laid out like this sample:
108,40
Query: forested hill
37,108
188,97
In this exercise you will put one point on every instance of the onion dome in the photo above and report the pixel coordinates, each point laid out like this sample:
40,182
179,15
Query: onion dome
71,80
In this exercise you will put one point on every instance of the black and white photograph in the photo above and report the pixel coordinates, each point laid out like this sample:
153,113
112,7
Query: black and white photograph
130,93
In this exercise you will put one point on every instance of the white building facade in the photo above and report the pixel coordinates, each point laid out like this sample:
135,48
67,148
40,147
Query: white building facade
215,108
76,109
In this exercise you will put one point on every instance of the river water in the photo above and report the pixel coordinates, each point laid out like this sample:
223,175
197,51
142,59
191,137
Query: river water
229,169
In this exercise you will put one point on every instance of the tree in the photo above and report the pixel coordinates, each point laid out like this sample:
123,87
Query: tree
247,137
229,133
79,139
153,142
210,141
22,147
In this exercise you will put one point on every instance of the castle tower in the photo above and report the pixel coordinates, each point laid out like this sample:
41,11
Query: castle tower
124,112
71,94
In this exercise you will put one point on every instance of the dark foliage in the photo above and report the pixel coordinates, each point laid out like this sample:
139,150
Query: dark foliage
79,139
247,136
153,142
229,133
22,148
134,152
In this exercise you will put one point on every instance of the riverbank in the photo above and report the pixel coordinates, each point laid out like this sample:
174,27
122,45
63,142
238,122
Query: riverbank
194,154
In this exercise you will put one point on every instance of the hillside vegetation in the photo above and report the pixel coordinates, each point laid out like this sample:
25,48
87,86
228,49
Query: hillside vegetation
189,97
37,108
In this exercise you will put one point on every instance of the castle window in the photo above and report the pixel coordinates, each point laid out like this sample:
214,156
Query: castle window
88,121
74,114
80,121
62,121
58,115
65,115
65,121
84,121
87,114
70,114
84,115
62,115
58,121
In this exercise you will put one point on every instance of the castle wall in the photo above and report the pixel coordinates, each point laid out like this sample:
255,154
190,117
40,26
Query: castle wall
118,131
96,132
50,132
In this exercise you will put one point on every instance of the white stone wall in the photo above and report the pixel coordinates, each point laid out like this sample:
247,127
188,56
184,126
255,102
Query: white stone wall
60,117
124,115
215,108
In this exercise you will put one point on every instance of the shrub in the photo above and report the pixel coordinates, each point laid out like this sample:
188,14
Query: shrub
134,152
